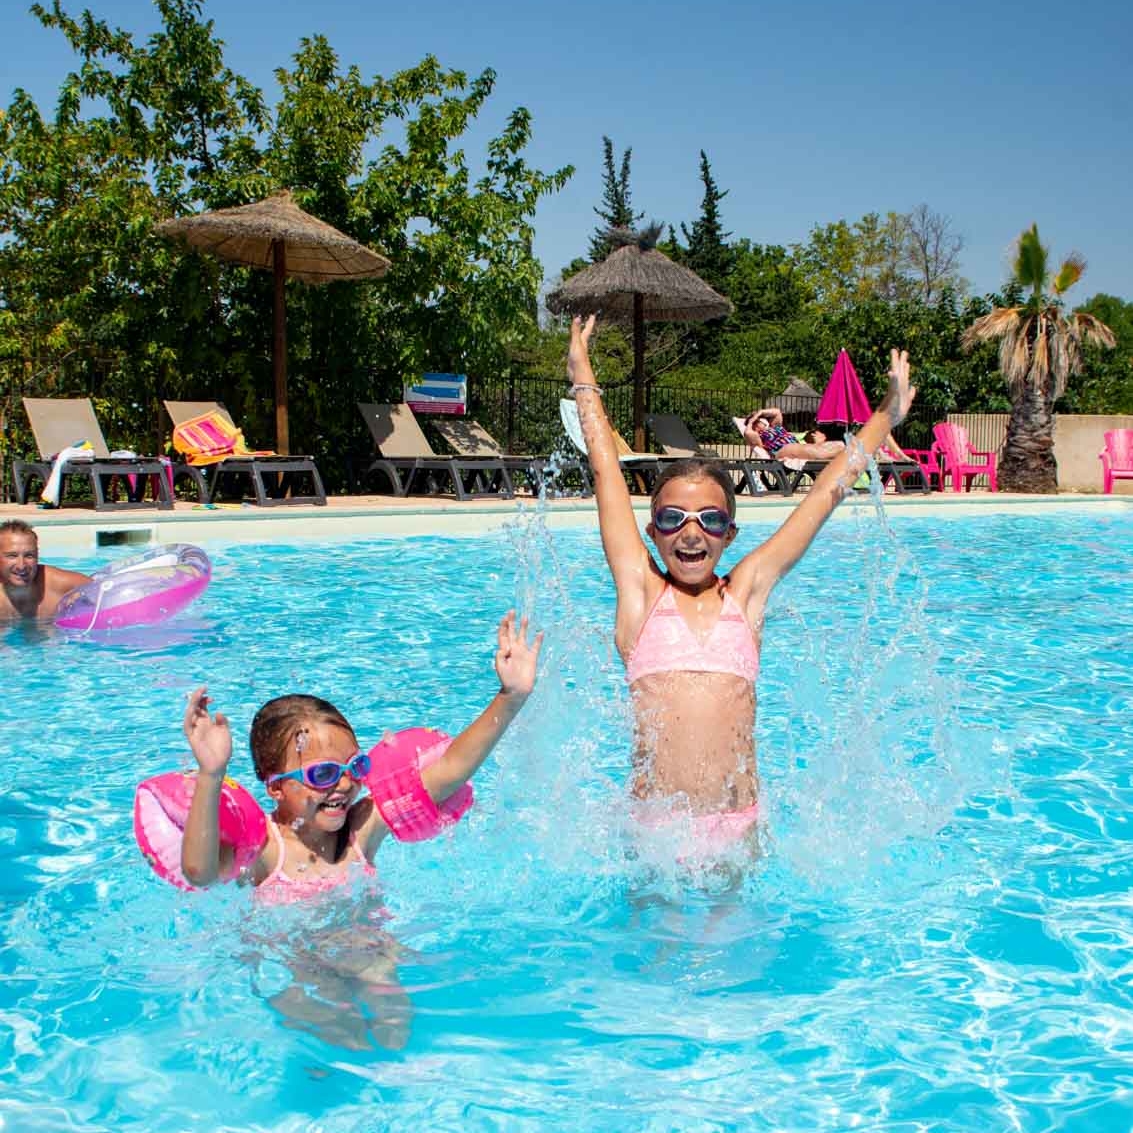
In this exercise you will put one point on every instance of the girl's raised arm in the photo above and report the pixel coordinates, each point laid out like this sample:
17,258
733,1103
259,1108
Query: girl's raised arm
203,858
758,572
625,550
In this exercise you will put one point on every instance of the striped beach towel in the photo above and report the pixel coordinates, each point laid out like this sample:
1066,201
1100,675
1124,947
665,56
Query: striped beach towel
211,438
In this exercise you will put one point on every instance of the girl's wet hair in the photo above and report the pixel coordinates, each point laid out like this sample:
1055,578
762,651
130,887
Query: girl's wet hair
278,724
696,468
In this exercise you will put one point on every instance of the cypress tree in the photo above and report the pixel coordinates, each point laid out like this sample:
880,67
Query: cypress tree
708,252
616,210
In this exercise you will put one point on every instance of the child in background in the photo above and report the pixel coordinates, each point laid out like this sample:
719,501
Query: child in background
690,639
307,755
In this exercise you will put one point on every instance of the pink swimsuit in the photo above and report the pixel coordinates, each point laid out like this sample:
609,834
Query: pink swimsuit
666,644
280,889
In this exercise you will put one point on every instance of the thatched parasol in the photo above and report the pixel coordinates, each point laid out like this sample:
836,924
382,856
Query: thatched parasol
796,395
637,282
278,236
799,400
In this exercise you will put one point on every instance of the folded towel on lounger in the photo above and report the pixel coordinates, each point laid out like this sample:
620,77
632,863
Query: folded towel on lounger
80,450
211,438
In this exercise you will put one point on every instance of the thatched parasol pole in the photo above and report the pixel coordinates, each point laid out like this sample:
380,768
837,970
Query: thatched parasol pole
279,345
639,371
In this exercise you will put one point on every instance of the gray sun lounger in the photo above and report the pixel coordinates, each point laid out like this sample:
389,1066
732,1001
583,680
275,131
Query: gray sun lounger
469,440
750,474
408,462
287,474
894,471
59,423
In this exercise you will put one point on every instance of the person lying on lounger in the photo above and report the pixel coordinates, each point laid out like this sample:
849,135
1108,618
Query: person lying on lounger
764,429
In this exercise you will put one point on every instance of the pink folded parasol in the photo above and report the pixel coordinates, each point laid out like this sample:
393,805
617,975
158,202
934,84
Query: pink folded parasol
844,401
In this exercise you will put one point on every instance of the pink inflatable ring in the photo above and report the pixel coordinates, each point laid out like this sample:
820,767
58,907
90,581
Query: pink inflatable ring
161,808
394,780
140,590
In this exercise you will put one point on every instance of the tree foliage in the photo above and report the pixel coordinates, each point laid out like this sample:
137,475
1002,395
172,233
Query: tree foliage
1105,384
707,251
616,209
93,301
896,257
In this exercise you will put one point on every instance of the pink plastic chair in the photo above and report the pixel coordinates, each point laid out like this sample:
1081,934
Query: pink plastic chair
956,456
927,459
1116,458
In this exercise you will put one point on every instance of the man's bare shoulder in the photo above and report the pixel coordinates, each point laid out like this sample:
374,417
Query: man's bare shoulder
59,581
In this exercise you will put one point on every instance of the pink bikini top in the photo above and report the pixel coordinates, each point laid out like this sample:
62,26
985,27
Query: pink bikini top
666,644
279,888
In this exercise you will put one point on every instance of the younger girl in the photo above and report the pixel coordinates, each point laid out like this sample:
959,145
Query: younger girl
690,640
308,757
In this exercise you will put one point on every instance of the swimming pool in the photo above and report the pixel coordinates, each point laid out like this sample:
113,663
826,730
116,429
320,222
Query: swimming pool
938,936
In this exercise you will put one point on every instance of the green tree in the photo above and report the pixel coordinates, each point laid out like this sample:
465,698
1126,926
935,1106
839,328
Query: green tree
616,210
708,252
95,303
895,257
92,300
1106,382
833,262
1040,347
765,285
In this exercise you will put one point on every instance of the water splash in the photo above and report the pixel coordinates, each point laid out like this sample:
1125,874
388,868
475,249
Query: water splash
882,757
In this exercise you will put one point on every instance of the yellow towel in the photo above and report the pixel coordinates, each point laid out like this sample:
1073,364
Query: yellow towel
211,438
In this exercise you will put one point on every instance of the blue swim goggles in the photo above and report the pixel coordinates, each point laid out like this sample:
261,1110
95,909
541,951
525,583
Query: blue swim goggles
713,520
325,774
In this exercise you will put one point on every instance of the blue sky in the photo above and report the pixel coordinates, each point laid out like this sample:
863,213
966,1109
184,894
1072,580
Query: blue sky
996,116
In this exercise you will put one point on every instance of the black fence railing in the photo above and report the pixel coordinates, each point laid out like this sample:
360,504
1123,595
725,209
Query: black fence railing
523,413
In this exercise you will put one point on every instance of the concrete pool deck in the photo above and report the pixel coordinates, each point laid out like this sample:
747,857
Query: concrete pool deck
79,530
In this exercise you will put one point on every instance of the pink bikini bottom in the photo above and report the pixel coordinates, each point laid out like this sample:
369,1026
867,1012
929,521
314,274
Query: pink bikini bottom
699,835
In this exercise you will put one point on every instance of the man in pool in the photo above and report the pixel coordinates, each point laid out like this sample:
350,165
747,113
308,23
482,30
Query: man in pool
29,590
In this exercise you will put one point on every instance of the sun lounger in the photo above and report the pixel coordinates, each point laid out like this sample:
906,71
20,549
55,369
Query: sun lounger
469,440
61,425
752,474
641,468
891,471
408,462
214,423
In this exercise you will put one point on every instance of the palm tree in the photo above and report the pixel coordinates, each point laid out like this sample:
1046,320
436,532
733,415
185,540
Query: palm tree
1039,348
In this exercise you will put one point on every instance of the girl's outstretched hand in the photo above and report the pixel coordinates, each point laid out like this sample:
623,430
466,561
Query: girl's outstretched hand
516,661
209,737
578,357
899,398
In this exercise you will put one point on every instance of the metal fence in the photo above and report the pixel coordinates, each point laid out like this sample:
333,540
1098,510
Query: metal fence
523,413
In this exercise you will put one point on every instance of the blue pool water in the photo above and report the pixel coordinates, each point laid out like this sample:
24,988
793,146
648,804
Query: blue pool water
938,936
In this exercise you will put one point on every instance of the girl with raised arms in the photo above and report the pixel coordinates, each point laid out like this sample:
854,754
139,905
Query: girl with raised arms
689,638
